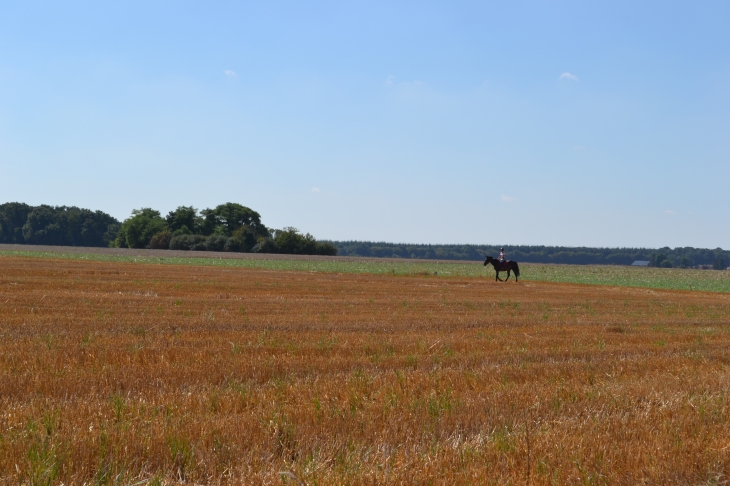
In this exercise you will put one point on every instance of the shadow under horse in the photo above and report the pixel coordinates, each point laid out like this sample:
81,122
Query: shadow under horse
508,266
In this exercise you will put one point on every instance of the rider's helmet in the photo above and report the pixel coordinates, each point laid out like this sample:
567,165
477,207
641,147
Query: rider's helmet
501,249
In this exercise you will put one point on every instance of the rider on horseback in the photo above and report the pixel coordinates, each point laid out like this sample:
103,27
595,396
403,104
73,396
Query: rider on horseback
503,265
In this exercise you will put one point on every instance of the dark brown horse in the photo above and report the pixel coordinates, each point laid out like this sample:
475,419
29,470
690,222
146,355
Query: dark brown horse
508,266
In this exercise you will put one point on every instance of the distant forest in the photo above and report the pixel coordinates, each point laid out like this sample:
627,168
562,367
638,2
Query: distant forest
55,225
662,257
233,227
227,227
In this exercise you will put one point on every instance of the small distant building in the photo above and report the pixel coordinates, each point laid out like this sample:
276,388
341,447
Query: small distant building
640,263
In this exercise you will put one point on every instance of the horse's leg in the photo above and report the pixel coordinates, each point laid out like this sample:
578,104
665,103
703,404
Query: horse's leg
508,274
497,276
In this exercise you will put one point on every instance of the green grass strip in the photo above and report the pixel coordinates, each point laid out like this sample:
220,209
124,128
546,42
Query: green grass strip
655,278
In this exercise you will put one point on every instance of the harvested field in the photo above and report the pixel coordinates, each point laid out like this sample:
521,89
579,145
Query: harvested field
655,278
114,372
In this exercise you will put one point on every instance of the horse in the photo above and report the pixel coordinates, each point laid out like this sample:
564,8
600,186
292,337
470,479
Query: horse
508,266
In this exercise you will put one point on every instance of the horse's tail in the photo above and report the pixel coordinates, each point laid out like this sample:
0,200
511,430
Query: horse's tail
517,270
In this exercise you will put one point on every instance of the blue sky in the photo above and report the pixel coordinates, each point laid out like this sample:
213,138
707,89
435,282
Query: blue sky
566,123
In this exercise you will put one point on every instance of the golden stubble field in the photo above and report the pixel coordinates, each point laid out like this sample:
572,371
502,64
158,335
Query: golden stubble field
123,373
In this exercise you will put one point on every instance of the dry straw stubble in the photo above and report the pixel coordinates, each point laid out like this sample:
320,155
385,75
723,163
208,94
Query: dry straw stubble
121,372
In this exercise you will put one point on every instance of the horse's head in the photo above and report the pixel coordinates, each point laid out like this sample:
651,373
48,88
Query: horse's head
489,259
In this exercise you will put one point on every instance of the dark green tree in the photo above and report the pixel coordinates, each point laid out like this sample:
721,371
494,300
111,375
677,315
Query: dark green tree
184,221
227,218
661,260
188,242
161,240
12,218
88,228
45,227
110,236
138,230
67,226
244,239
265,245
291,241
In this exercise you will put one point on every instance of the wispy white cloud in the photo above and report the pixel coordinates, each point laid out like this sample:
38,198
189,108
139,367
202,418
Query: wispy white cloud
669,211
230,73
315,189
569,77
579,148
507,198
391,81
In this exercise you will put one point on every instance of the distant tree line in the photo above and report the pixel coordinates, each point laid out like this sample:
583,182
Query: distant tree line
233,227
663,257
227,227
55,225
